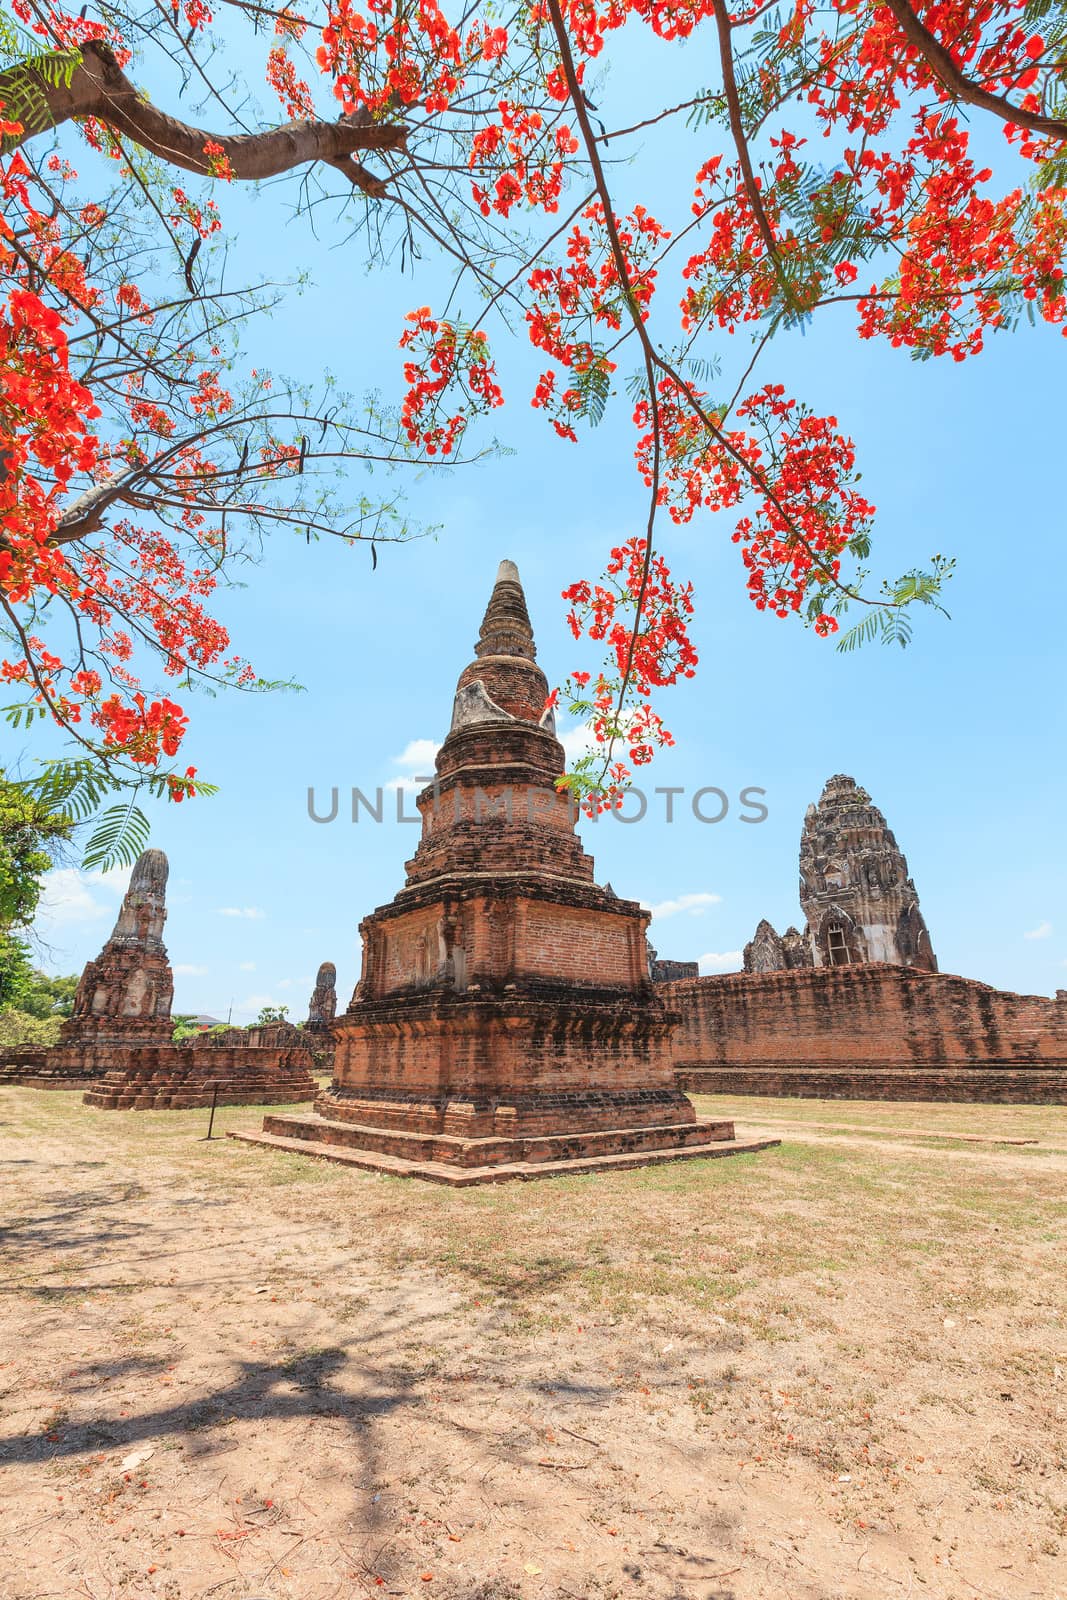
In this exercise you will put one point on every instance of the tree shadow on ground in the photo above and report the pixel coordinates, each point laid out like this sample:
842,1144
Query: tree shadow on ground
301,1386
64,1227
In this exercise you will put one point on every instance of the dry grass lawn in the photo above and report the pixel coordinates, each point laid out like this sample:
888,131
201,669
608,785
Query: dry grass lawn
830,1371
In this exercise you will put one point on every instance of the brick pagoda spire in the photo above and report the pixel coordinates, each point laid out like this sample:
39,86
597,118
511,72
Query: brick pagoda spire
504,1019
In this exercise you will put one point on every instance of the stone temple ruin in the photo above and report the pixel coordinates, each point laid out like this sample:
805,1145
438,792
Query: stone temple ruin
854,1006
511,1019
118,1044
505,1023
124,997
855,892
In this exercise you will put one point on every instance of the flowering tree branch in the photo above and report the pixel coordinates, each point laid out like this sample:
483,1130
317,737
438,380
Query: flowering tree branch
960,86
98,87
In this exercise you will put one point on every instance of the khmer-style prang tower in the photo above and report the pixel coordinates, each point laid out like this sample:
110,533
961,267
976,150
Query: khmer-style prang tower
505,1022
854,885
860,904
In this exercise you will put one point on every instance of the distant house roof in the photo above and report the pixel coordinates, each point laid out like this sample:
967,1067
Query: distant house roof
207,1022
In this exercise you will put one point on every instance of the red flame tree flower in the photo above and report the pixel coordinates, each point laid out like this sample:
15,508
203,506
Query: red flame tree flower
834,161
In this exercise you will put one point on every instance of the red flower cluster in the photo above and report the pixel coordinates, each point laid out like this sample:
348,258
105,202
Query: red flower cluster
896,217
642,615
130,581
440,358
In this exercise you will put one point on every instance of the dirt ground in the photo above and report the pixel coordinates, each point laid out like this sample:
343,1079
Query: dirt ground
830,1371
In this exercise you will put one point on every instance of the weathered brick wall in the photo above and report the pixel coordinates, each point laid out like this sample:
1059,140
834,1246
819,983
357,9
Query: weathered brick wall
498,1065
879,1032
579,946
179,1076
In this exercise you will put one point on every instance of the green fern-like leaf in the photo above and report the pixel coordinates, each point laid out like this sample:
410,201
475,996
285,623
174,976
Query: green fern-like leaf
861,633
120,836
23,83
594,386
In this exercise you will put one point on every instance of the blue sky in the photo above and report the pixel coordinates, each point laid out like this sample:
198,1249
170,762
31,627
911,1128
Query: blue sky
959,739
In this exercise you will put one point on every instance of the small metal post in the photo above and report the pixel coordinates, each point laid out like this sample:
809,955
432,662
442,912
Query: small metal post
214,1103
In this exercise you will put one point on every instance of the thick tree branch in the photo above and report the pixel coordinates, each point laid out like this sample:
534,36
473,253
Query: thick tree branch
959,86
737,128
99,88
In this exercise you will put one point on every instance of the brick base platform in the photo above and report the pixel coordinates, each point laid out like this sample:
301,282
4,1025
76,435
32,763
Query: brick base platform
31,1067
181,1077
1010,1085
43,1080
463,1163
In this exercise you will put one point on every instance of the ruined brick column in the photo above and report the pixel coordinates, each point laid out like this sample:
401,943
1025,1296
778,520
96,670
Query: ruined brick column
504,1016
124,995
860,904
322,1007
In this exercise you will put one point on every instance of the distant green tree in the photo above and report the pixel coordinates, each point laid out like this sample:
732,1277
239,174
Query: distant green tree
270,1014
19,1028
16,972
184,1028
50,997
30,833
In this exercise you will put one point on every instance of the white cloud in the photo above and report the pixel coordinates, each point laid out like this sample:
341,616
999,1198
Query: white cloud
417,759
247,966
184,970
694,904
1042,931
719,961
577,741
253,913
71,896
418,753
253,1004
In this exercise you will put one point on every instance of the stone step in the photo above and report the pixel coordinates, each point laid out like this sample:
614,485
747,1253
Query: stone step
465,1151
521,1171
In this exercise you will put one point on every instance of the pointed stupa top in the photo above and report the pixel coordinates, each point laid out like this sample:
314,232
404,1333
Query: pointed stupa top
843,803
503,684
506,629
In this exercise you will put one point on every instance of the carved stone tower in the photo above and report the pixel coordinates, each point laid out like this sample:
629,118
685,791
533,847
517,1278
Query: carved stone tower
854,887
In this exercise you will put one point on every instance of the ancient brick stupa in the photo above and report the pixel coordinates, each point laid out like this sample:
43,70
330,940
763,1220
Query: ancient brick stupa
119,1035
505,1024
